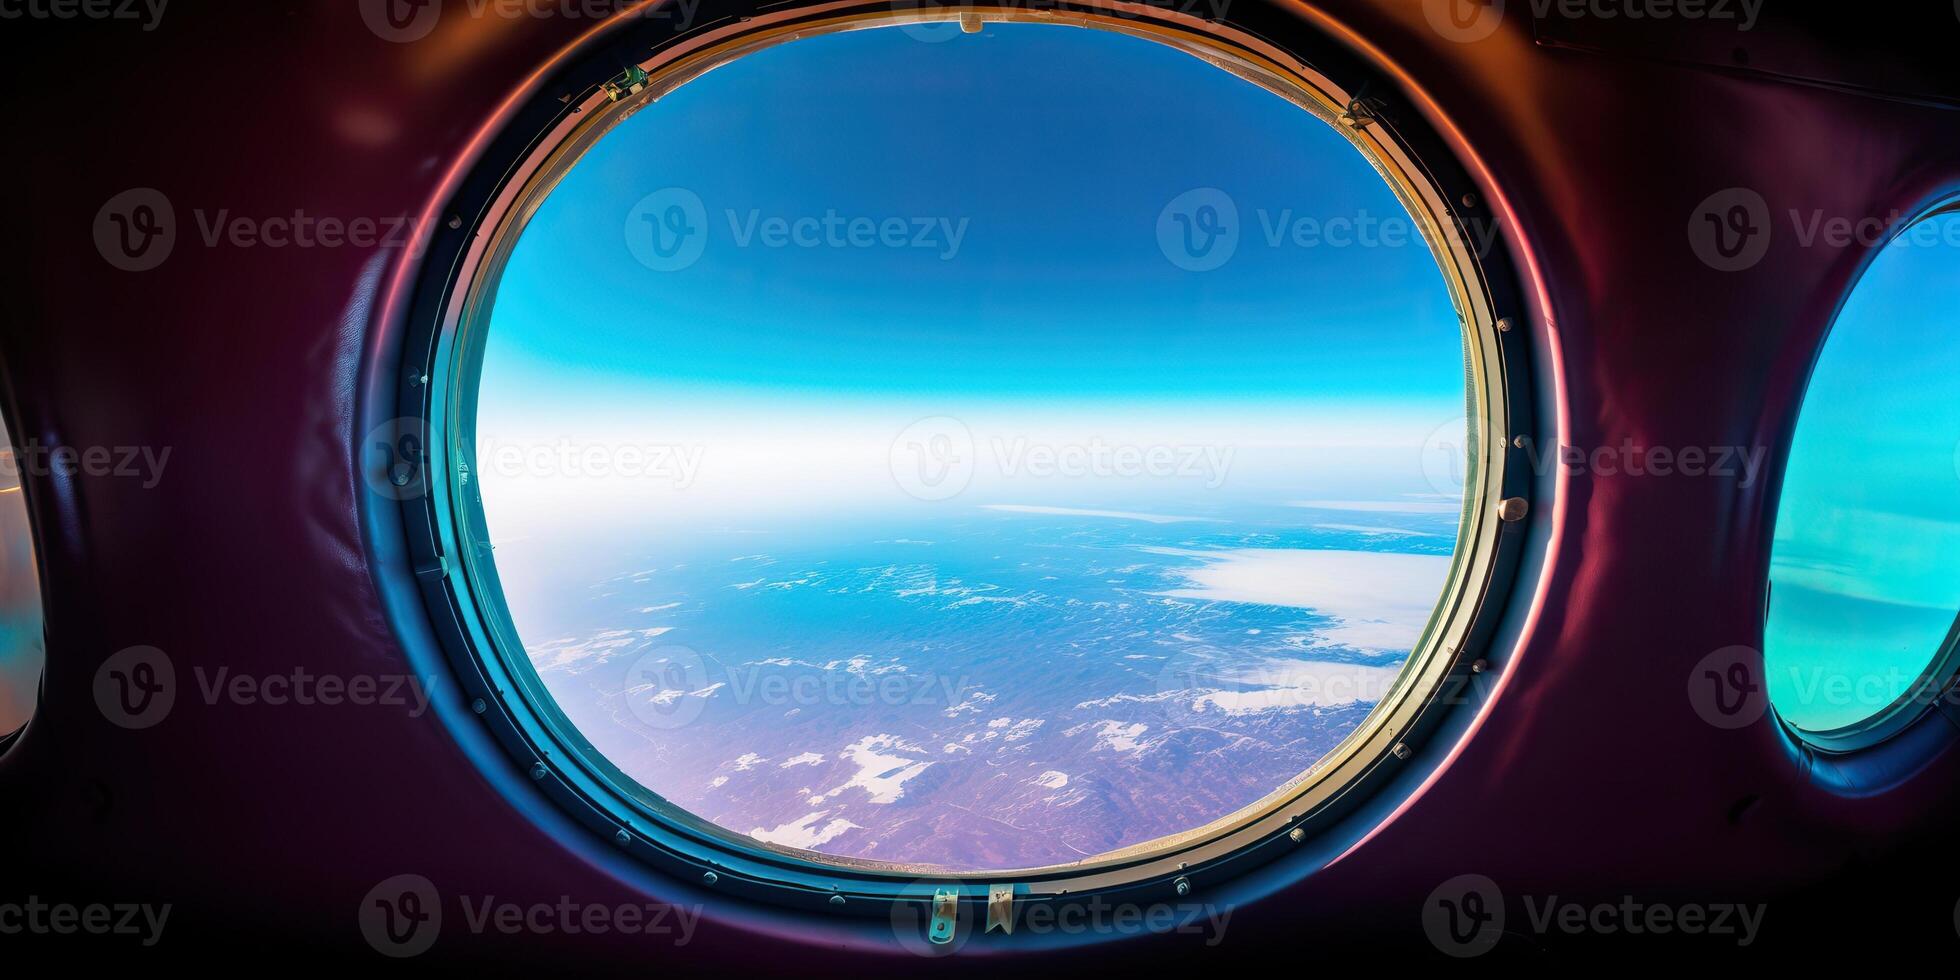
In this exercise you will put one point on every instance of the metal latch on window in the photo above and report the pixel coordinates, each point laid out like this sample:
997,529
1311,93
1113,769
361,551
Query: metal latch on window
1361,112
628,82
1000,908
945,916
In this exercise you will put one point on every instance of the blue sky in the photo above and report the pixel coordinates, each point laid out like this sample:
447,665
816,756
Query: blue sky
1046,154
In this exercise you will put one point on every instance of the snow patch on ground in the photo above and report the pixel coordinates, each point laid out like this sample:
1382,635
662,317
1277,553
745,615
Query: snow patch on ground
804,833
881,771
1117,736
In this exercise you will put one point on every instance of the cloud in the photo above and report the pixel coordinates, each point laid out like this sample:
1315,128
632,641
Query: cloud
1375,529
1302,684
1122,515
1451,507
1380,602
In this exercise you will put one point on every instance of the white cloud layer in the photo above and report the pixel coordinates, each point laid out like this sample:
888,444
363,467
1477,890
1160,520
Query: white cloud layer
1380,601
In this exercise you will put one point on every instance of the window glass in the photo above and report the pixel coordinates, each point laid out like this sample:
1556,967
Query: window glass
1865,568
970,451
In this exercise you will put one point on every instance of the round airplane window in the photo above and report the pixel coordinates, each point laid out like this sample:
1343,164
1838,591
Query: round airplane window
864,468
1861,617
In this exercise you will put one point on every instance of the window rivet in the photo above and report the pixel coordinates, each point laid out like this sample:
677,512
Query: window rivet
479,706
710,878
1504,324
623,838
1401,750
836,899
1297,834
1183,886
1479,666
1512,509
537,770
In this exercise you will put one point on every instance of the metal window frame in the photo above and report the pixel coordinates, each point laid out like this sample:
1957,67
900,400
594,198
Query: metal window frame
445,536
